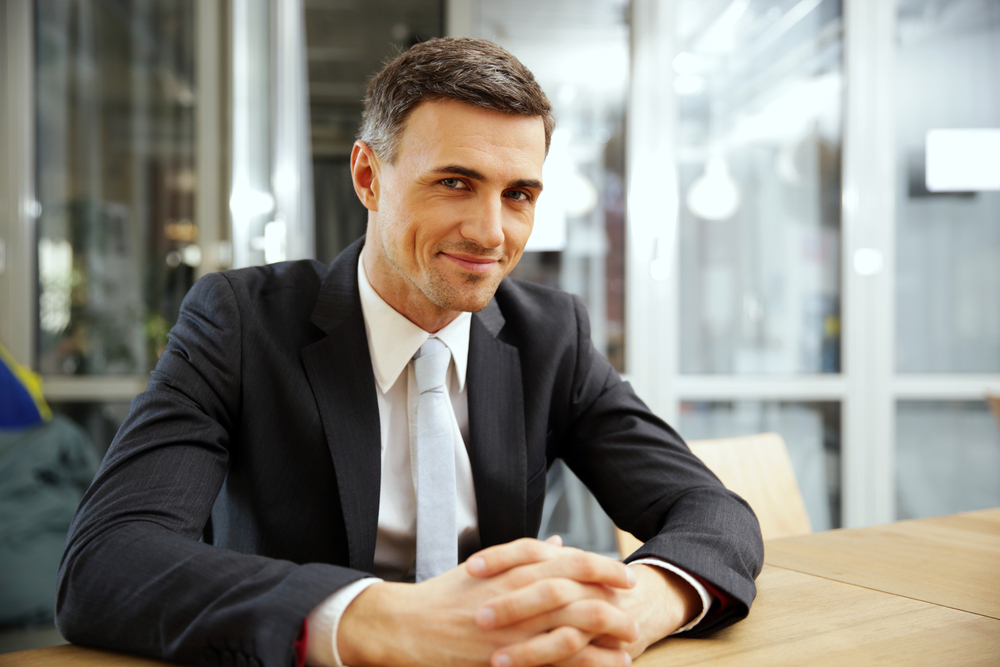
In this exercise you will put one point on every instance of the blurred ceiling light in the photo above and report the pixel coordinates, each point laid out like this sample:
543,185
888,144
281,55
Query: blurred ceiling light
688,64
192,255
963,160
549,231
688,86
714,195
867,261
247,202
581,195
275,242
659,269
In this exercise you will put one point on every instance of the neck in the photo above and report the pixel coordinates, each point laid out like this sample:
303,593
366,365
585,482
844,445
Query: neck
410,303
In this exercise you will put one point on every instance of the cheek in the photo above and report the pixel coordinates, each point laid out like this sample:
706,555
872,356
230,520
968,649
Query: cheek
517,231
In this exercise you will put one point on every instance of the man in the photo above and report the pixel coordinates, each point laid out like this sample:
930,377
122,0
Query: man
273,463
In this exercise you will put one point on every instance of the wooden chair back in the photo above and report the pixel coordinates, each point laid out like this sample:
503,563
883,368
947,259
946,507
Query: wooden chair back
758,469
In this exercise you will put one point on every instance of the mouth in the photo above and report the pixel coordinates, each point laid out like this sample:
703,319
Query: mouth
472,263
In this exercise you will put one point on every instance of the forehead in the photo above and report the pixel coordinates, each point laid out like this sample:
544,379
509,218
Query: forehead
446,132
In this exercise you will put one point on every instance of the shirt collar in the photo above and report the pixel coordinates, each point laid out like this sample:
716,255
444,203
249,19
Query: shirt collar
393,339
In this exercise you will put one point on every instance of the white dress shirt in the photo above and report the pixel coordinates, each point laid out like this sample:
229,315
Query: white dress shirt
392,342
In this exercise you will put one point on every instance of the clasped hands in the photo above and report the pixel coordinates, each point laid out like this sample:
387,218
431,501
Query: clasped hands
523,604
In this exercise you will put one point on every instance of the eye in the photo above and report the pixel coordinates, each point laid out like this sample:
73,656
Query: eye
518,195
453,183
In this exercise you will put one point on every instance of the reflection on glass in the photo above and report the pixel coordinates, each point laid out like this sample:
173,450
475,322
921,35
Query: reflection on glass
812,435
348,42
759,133
947,209
579,53
947,458
118,241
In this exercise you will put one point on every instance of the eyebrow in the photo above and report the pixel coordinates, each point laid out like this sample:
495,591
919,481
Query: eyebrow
478,176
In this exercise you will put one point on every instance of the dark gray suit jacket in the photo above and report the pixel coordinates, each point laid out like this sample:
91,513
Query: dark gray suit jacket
243,487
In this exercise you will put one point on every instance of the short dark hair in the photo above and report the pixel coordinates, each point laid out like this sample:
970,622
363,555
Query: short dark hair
472,71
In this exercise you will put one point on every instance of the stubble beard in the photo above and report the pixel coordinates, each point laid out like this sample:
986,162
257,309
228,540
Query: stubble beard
473,295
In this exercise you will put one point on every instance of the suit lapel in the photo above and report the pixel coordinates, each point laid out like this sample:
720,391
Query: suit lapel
497,444
340,373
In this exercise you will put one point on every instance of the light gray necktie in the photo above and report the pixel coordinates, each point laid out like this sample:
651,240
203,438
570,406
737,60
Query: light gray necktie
434,464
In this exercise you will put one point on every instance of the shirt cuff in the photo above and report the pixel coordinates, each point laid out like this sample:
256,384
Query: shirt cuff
706,597
324,620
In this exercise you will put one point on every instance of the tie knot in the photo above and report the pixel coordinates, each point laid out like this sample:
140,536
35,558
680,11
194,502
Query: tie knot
430,364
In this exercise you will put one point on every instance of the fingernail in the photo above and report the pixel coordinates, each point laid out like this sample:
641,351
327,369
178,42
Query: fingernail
502,660
631,577
628,660
486,618
475,565
635,635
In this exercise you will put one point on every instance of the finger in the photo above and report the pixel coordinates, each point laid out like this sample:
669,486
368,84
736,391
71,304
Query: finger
562,646
610,626
554,539
500,558
578,565
555,602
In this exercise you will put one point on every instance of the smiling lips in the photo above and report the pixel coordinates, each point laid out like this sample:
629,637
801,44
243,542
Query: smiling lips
472,263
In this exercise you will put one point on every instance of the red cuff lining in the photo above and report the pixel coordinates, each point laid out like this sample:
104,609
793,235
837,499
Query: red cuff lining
301,642
722,600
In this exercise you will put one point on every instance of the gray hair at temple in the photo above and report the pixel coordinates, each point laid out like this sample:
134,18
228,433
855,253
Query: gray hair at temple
472,71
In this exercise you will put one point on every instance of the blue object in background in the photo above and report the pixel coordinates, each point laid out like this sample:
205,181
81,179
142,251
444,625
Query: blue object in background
21,402
46,464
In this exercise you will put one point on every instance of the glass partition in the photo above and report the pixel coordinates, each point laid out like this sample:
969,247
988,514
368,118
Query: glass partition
579,52
118,240
947,458
811,432
347,43
759,93
948,186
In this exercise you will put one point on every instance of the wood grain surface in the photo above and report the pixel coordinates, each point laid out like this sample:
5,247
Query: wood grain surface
68,655
952,561
800,619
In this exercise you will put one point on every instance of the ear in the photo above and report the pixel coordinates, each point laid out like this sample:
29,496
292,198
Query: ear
364,172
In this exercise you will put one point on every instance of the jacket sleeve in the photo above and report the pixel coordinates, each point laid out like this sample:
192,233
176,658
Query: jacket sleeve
135,575
651,485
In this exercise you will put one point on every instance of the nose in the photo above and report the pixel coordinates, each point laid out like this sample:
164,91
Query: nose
484,225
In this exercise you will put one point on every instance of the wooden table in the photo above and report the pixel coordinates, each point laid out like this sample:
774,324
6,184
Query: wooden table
923,592
952,561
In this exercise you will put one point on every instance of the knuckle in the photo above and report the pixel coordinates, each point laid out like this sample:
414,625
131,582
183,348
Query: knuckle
585,565
560,591
570,641
537,549
599,616
505,609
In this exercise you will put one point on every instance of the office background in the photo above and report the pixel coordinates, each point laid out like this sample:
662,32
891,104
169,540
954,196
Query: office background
783,215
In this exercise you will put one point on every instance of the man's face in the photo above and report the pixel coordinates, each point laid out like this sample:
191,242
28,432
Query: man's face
450,218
